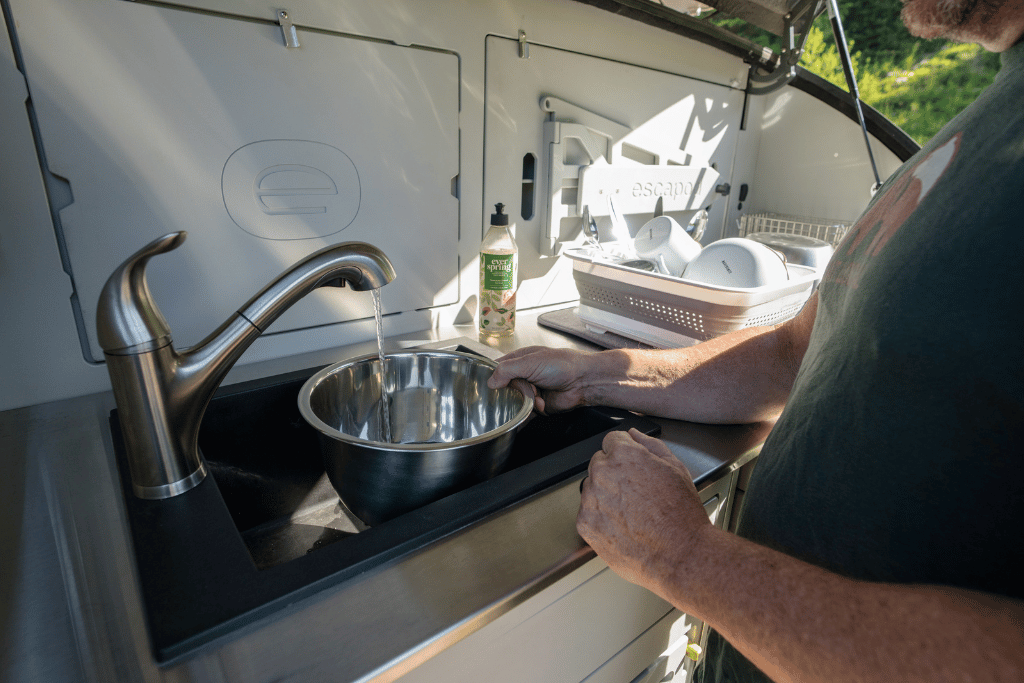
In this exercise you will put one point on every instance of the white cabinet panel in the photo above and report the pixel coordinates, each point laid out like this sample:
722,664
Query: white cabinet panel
663,645
565,641
165,120
657,118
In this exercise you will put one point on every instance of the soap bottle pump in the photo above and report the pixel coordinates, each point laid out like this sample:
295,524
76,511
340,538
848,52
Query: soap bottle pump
499,270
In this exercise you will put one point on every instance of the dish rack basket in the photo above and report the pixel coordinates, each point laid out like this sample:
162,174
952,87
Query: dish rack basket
818,228
670,312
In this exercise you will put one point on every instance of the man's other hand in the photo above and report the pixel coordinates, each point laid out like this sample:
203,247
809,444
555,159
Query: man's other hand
639,509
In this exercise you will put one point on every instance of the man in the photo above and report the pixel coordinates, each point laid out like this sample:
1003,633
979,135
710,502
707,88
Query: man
880,537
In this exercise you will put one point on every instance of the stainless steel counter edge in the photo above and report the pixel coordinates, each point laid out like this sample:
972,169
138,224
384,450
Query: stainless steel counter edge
374,627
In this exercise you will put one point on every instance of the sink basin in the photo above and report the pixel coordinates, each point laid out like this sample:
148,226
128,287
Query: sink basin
265,459
267,528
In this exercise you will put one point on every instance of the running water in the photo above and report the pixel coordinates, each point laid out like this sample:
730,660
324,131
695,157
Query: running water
385,410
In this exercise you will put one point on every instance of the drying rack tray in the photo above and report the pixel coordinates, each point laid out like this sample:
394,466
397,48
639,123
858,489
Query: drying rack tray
667,311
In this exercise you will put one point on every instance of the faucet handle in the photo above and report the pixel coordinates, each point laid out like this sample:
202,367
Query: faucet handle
128,321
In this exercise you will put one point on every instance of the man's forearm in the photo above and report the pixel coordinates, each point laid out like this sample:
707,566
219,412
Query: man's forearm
741,377
737,378
798,622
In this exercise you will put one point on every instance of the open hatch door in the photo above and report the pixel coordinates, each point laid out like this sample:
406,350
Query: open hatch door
770,69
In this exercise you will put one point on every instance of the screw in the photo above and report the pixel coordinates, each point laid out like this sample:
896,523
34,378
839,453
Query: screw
282,14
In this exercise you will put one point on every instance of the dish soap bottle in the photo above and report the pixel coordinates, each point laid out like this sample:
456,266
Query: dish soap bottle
499,269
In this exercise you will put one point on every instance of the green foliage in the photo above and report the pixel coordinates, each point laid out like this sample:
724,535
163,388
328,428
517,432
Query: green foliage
875,26
822,58
920,96
918,84
931,93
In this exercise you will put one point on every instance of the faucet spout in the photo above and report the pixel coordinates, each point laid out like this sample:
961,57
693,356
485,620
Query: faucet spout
161,393
359,265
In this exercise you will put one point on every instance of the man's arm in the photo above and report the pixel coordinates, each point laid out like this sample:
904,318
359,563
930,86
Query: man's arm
795,621
744,376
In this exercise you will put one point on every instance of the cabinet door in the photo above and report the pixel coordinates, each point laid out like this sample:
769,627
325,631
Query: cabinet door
563,641
589,626
656,120
166,119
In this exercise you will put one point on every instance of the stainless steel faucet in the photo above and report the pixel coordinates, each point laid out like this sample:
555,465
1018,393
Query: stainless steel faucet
161,393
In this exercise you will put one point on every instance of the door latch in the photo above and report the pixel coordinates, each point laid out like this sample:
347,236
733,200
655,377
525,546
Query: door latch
291,36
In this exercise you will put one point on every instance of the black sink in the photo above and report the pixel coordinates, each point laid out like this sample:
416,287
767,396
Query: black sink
267,528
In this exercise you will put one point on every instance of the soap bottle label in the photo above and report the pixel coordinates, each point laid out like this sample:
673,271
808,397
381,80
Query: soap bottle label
497,293
499,271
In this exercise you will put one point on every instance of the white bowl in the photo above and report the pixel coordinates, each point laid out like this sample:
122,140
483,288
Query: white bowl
737,262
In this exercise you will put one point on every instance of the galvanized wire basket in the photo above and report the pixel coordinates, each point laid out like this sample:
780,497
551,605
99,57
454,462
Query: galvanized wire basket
819,228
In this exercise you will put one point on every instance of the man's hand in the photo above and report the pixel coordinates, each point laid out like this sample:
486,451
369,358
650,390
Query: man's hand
556,376
640,510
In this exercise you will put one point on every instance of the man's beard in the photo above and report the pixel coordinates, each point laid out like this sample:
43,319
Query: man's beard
954,19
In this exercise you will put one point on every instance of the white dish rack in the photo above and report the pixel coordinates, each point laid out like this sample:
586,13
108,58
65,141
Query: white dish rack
670,312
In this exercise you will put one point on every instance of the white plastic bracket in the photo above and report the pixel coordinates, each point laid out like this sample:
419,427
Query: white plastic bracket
637,189
586,169
594,136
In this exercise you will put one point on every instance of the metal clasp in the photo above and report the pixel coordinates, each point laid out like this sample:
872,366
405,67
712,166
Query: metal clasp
524,47
291,36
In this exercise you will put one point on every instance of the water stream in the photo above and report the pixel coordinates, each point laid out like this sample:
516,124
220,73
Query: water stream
385,409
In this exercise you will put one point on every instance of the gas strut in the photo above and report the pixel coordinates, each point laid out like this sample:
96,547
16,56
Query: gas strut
851,82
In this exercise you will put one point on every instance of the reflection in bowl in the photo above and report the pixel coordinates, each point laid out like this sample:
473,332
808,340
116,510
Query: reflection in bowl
449,429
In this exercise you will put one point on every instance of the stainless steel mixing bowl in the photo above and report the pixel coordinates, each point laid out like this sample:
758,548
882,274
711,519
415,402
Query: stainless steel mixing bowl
449,430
